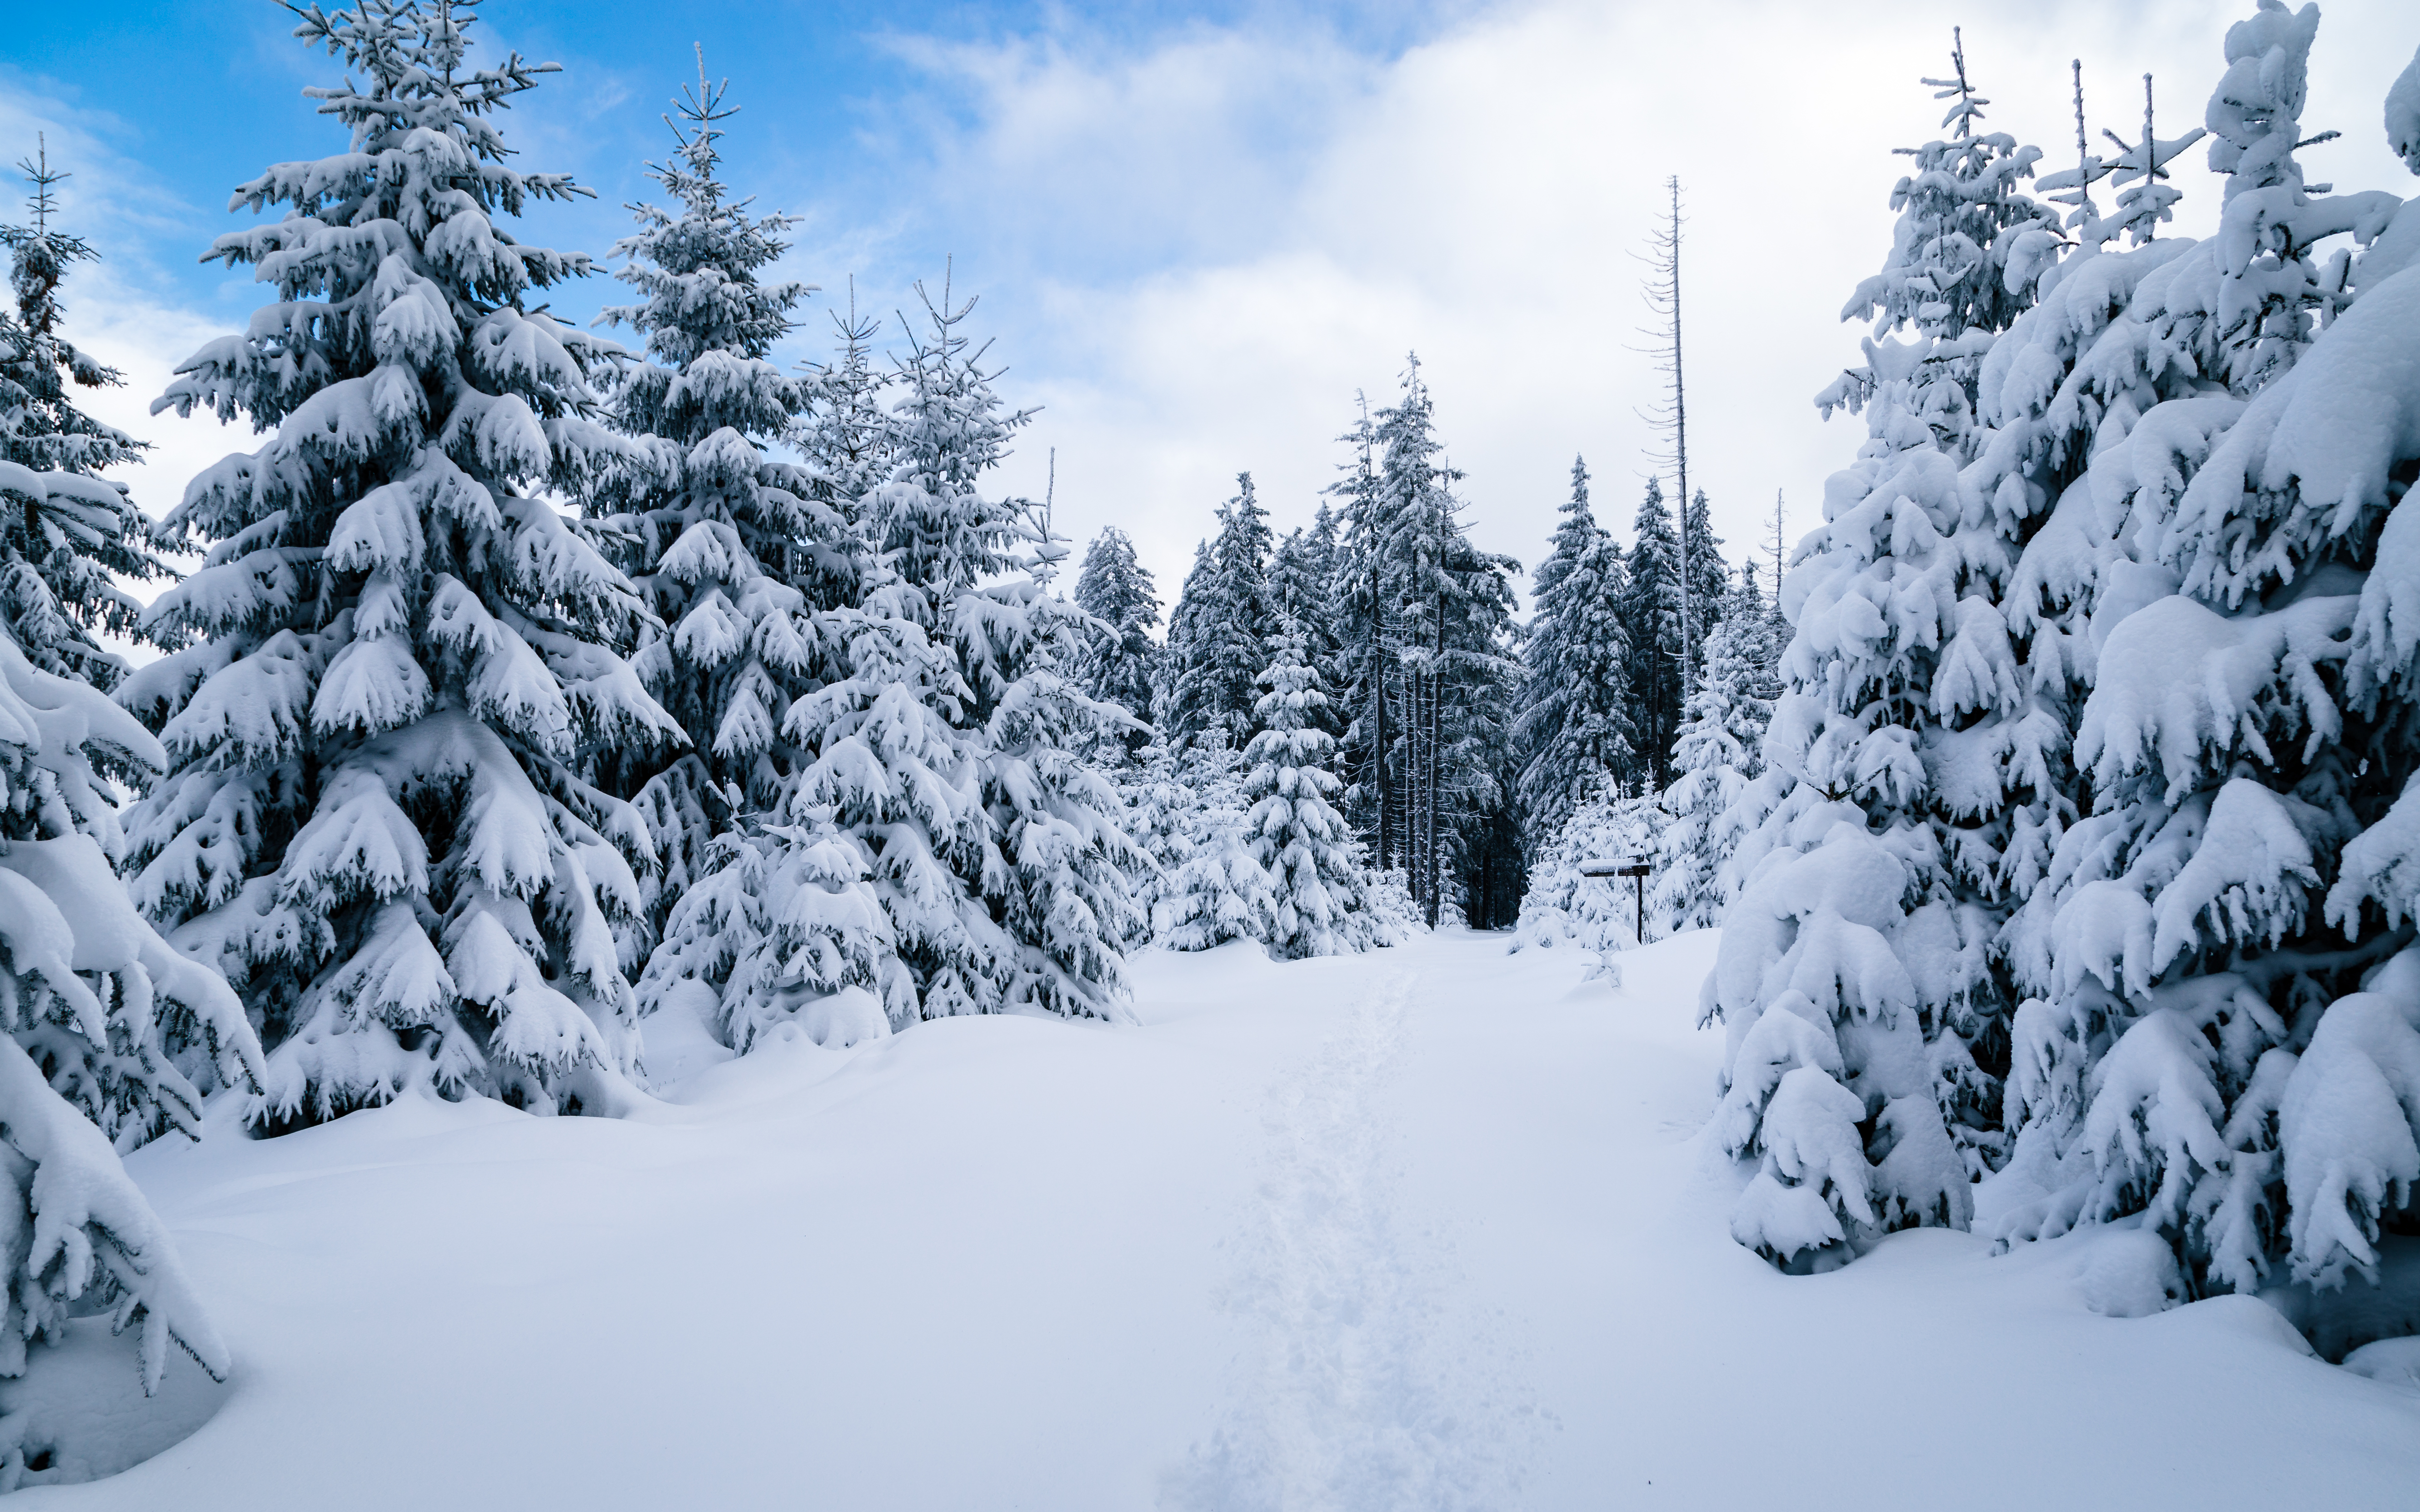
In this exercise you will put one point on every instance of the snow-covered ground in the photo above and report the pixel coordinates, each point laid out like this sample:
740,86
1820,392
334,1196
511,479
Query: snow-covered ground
1426,1228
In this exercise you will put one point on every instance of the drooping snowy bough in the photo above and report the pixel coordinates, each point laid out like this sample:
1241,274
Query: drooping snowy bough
112,1040
376,824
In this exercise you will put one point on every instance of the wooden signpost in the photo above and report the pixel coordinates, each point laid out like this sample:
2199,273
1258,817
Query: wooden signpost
1637,870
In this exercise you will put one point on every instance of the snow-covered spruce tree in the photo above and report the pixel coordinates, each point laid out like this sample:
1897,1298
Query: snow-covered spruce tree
784,929
1302,593
1229,615
1716,757
1649,607
1710,590
2226,1031
845,434
1187,624
1363,584
1160,806
1859,947
1220,892
111,1038
64,529
1316,905
727,547
1042,898
375,822
1450,619
1574,729
1118,665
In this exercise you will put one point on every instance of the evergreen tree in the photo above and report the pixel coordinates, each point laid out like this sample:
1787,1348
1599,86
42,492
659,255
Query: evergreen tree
1849,850
727,545
1220,891
1316,905
1429,647
110,1036
375,824
1650,610
65,530
1716,757
1160,805
1302,592
1574,730
1178,702
1363,590
846,435
1121,664
1228,625
1710,590
2226,1025
1045,899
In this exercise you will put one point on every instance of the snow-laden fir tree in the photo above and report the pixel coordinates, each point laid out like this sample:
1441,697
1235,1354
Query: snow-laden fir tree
1229,615
1302,592
1716,758
376,822
2225,1035
1160,805
1220,891
944,755
845,434
65,533
1120,663
1447,651
1302,843
1187,623
728,546
1362,582
1042,900
1574,730
786,933
1649,607
1710,590
1859,948
112,1038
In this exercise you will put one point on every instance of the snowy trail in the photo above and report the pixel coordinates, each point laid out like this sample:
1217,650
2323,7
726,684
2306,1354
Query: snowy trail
1425,1229
1344,1396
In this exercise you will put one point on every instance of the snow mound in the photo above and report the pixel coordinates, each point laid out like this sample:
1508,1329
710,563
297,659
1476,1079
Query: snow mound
2396,1362
2131,1274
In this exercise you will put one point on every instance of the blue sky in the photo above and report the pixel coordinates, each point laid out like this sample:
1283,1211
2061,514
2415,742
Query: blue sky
1198,229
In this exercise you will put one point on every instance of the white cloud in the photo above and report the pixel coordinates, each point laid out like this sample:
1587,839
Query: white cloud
1475,198
1195,244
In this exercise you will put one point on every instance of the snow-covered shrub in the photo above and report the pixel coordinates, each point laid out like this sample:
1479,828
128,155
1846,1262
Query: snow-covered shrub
1598,913
375,824
786,929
